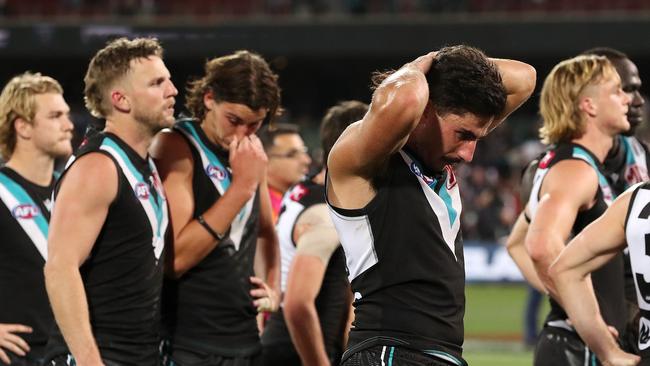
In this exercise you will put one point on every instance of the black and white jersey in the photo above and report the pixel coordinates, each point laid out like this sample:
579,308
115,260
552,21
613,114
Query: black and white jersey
405,261
123,275
210,309
628,164
637,234
608,280
331,302
24,217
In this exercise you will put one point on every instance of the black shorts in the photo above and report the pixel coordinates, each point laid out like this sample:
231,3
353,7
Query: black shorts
562,347
68,360
393,356
183,357
280,354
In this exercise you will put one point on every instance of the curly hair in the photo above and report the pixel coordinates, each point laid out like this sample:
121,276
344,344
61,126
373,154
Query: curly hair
17,100
109,65
243,78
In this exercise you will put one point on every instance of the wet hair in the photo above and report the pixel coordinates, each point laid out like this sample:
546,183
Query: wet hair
109,65
336,120
462,79
562,88
242,78
17,100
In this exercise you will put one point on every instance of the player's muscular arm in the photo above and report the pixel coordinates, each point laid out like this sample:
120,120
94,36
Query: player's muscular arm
316,240
519,79
597,244
269,250
569,187
86,192
396,108
191,241
517,250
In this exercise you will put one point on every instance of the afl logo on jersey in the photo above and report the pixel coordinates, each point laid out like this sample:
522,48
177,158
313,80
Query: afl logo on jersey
215,172
25,211
543,164
142,191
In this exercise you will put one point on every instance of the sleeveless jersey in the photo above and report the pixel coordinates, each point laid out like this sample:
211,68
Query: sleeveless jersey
123,275
637,234
405,261
210,309
331,300
607,280
24,216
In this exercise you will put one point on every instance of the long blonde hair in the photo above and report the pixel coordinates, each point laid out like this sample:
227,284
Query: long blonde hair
559,101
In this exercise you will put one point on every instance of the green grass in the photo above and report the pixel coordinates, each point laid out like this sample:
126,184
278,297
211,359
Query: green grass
494,325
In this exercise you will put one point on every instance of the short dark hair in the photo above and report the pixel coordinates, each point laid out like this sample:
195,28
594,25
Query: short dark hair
462,79
243,77
611,54
268,133
336,120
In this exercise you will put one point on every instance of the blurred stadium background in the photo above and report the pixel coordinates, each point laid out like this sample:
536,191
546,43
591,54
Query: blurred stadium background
324,52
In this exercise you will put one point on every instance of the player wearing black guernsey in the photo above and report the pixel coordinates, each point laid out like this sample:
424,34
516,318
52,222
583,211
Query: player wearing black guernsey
395,203
104,282
625,165
214,172
35,129
316,301
624,223
583,108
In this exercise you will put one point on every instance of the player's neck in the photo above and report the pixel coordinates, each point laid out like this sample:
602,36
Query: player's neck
277,185
35,166
134,134
320,177
597,142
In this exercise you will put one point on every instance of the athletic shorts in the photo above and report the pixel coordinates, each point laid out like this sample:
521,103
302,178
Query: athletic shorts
562,347
392,356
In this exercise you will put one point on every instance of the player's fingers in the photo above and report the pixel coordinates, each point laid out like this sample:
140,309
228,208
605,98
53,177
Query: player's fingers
18,341
259,292
17,328
4,358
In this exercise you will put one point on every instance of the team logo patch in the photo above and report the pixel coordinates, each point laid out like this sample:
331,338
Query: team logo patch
142,191
215,172
416,169
543,164
451,177
25,211
644,333
298,192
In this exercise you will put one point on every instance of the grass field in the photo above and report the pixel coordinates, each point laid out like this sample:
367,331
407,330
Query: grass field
494,324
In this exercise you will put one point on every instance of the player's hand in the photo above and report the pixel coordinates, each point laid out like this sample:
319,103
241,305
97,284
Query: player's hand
11,342
265,298
423,63
619,358
248,162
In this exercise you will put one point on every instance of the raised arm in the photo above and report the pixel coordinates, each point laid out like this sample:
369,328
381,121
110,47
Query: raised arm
597,244
557,211
396,108
316,240
86,192
519,79
191,241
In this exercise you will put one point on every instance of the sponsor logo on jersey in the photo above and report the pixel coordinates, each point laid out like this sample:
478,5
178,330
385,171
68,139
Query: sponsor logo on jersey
215,172
298,192
142,191
543,164
25,211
